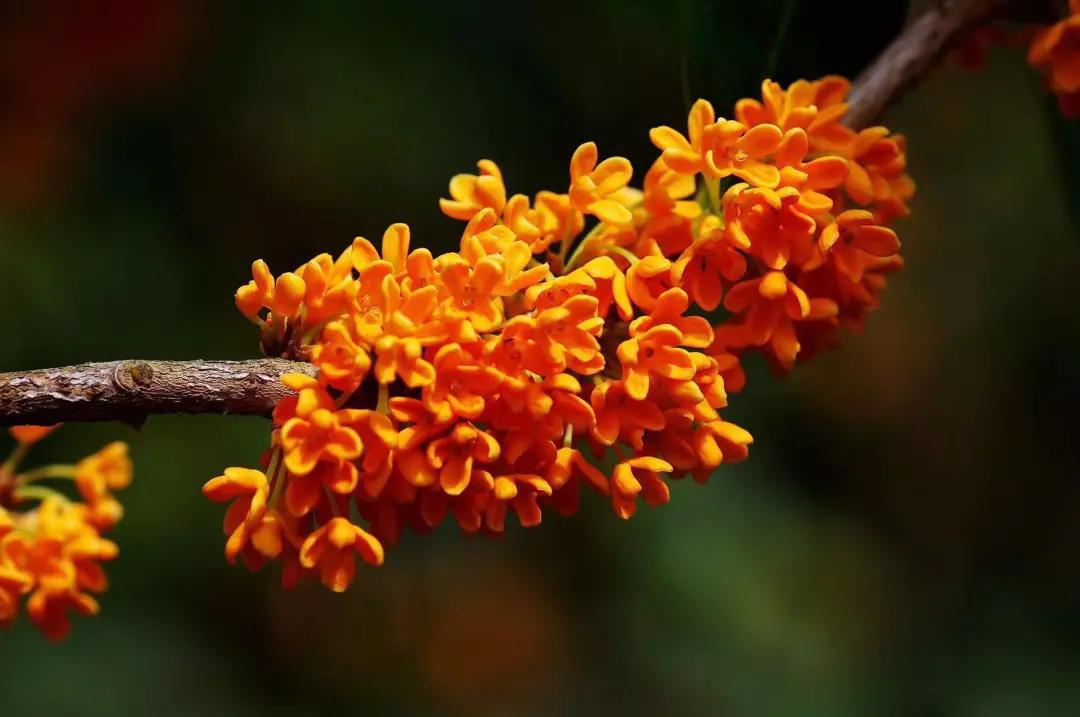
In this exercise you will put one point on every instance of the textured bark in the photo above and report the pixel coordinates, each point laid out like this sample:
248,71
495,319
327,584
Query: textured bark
920,46
130,391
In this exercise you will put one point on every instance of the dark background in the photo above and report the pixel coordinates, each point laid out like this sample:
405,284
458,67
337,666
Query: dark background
902,541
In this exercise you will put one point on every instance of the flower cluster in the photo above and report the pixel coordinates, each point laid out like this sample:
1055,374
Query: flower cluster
51,547
1056,50
506,376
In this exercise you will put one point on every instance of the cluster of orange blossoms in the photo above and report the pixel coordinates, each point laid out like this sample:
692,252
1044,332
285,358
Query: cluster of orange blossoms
52,551
1056,50
505,376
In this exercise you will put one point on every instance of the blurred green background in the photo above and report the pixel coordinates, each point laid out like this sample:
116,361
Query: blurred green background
903,540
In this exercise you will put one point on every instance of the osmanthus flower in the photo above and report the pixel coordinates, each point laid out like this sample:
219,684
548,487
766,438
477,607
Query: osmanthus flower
854,234
593,185
646,279
29,435
461,384
51,546
248,490
520,492
1056,50
331,549
343,361
695,331
312,427
636,477
470,192
771,304
465,386
666,192
455,454
653,352
713,259
621,416
877,172
773,218
720,148
816,107
877,159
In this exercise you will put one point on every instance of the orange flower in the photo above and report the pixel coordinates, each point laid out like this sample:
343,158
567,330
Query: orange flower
666,192
1056,49
55,556
621,416
877,171
471,192
304,492
592,185
608,287
108,469
669,309
566,336
686,154
647,279
409,328
328,287
720,148
380,440
816,107
811,177
516,277
282,296
772,302
720,442
770,223
343,362
702,265
461,383
314,429
638,476
653,352
469,292
519,491
13,584
854,235
248,489
331,549
453,455
28,435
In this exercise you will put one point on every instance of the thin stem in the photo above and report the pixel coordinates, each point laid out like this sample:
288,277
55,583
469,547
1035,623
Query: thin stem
580,248
277,475
39,492
712,190
13,460
564,243
52,471
629,256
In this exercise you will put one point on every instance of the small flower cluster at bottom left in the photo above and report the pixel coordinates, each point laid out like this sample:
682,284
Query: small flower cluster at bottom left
51,547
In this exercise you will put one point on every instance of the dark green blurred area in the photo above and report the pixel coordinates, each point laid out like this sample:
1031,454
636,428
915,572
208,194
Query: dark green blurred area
902,541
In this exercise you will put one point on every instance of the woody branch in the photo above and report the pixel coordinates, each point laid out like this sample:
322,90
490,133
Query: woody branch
131,390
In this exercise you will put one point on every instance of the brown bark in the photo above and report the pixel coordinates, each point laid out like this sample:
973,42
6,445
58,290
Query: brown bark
130,391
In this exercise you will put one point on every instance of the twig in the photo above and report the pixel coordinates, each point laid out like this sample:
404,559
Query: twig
130,391
920,46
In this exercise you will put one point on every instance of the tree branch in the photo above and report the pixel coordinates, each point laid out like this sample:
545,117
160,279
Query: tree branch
921,45
130,391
